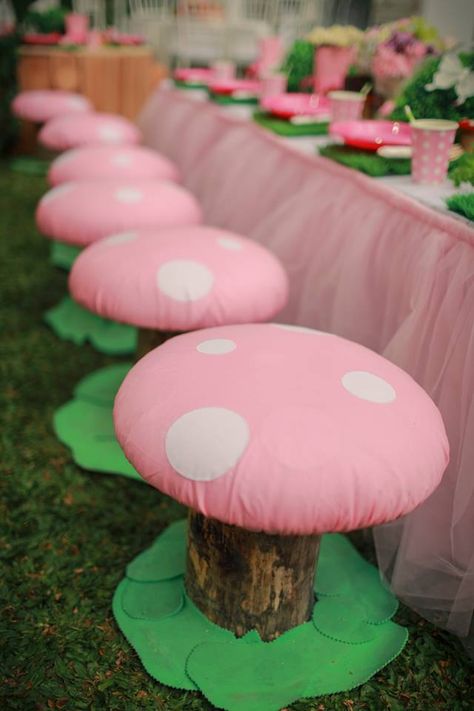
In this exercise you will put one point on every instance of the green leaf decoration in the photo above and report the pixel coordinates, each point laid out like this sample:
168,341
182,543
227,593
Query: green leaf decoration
164,560
357,579
336,651
85,424
73,323
287,129
153,601
63,255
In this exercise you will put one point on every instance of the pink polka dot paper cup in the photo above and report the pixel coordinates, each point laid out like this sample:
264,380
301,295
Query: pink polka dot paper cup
346,105
431,141
273,84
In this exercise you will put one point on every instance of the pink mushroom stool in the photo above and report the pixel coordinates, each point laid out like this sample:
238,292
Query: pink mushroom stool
64,132
111,163
178,279
80,213
42,105
272,435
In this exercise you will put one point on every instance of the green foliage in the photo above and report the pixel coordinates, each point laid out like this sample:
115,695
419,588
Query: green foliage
462,204
66,536
51,20
433,104
298,64
8,59
464,170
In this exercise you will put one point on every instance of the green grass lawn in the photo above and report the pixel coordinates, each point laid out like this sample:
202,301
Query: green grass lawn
66,535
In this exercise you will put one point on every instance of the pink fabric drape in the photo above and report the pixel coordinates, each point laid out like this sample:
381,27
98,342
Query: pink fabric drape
370,265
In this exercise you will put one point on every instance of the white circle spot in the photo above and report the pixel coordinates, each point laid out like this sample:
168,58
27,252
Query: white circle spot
66,157
111,134
229,243
122,160
367,386
217,346
128,196
57,192
204,444
120,238
77,102
184,280
300,329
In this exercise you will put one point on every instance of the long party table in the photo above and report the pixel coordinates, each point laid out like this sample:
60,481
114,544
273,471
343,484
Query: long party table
369,263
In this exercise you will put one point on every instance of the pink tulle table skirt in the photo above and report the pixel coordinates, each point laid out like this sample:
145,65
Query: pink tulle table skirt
368,264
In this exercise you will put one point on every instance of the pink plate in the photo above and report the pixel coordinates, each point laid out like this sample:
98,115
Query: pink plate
193,75
227,87
370,135
286,106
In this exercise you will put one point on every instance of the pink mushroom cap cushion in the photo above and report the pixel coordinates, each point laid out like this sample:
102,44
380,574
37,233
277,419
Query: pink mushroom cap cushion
281,430
45,104
84,211
111,163
179,279
74,130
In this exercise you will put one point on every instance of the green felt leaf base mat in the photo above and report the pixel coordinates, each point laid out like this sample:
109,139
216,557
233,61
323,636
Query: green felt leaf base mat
85,423
29,165
71,322
349,638
367,162
285,128
63,255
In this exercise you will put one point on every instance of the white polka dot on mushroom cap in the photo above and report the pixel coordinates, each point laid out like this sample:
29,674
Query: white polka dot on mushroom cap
368,386
77,102
206,443
300,329
120,238
66,157
122,160
55,193
217,346
184,279
110,133
128,195
230,243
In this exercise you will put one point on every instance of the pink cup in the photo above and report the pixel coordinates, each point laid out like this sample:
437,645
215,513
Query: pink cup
223,69
431,142
76,26
273,84
346,105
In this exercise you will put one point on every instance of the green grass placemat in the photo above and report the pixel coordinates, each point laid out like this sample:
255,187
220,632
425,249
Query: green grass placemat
285,128
369,163
462,204
188,85
229,100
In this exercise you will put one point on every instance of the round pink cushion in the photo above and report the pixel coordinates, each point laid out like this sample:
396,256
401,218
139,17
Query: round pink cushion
179,279
45,104
73,131
111,162
82,212
281,429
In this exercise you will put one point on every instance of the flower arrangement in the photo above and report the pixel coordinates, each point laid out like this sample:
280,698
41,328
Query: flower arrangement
395,50
335,36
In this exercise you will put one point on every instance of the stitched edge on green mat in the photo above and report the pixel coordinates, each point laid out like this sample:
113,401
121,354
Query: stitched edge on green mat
181,648
285,128
229,100
462,204
85,423
71,322
63,255
369,163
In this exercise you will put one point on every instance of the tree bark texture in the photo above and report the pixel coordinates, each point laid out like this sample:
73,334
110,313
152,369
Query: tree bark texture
242,580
